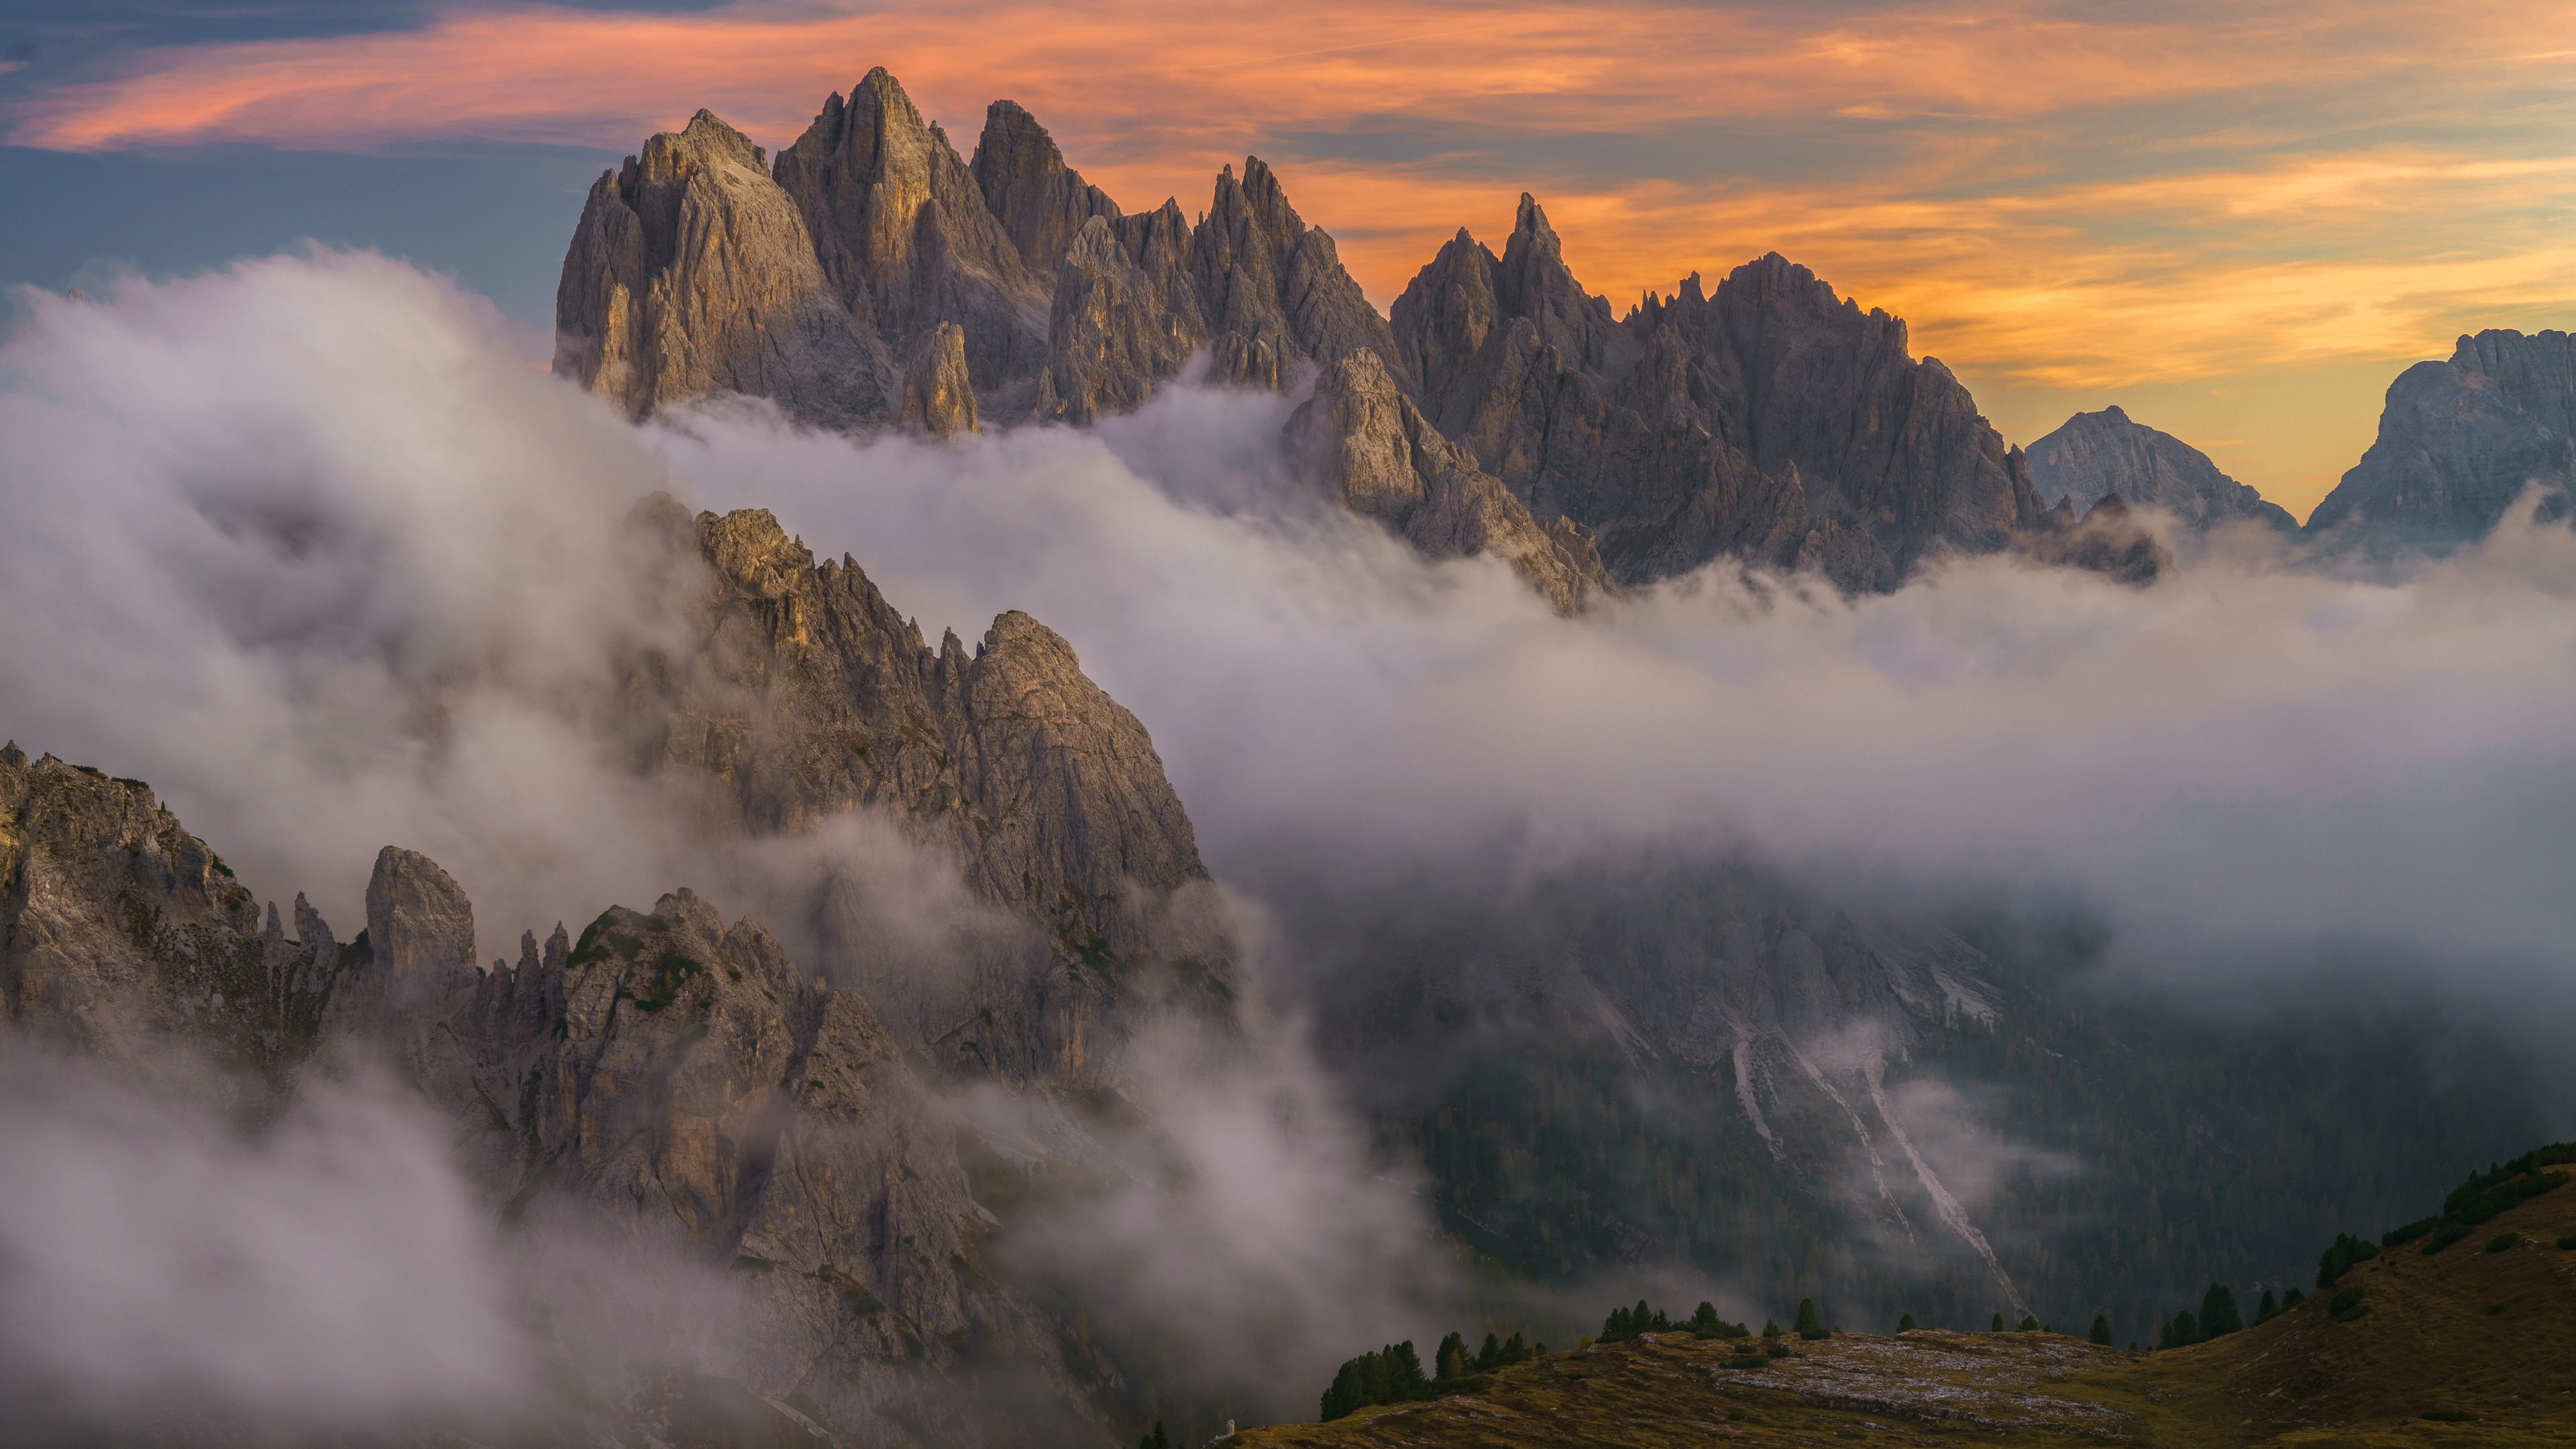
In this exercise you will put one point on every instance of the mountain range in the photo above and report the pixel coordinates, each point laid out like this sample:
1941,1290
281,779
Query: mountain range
867,277
1688,1059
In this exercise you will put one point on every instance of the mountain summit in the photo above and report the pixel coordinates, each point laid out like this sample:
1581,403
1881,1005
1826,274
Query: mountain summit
1770,421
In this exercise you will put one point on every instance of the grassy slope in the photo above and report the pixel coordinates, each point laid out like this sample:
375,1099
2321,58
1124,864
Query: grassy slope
2302,1379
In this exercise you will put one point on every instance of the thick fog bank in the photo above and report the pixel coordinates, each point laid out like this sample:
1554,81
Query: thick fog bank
310,548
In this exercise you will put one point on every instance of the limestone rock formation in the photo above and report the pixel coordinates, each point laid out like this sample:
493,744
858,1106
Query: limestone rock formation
2094,454
803,695
1770,422
1122,321
1269,278
677,1078
904,234
119,930
1040,202
2106,539
1363,438
692,272
2460,440
938,398
683,1079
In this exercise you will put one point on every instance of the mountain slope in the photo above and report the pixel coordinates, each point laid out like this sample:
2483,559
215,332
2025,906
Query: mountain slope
2433,1341
2095,454
2460,440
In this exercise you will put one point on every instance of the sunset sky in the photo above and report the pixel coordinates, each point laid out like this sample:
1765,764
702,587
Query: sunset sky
2238,221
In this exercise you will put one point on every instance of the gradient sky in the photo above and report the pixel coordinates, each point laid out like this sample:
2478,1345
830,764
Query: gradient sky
2238,221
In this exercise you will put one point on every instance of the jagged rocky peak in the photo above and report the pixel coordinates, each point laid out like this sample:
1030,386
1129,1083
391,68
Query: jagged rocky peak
2460,440
118,929
1277,284
1040,202
903,232
1117,328
2106,538
1899,443
938,396
2094,455
1362,438
691,273
419,924
1533,281
803,695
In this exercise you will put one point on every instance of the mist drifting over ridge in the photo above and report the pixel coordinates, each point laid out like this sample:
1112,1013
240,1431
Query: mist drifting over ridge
328,591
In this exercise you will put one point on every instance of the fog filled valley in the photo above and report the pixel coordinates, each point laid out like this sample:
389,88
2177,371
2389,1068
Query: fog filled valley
538,916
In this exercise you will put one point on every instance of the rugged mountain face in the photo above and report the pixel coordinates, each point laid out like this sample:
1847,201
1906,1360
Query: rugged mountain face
802,695
903,232
2095,454
681,1079
1363,439
119,929
1770,422
692,273
2460,440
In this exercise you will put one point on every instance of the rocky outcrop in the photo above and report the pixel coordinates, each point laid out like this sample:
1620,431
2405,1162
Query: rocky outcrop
2106,539
2093,455
2459,441
1640,430
903,233
804,696
938,397
691,272
1117,328
120,932
1040,202
1267,277
685,1081
1363,439
677,1079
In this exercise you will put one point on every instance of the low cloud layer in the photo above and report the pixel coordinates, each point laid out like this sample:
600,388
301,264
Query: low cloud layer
306,545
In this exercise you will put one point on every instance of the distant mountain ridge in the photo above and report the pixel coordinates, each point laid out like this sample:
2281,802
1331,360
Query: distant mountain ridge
2092,455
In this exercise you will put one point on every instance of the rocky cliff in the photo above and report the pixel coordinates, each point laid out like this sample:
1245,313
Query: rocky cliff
120,930
2095,454
1365,441
2460,440
1770,422
674,1077
801,695
692,272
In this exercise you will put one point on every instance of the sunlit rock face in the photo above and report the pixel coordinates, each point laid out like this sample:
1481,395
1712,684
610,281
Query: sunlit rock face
2459,442
692,272
1770,423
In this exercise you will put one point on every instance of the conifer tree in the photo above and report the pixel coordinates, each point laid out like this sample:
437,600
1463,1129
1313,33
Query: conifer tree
1490,1357
1811,1325
2101,1333
2029,1324
2218,1315
1451,1360
2186,1329
1156,1440
1770,1329
2292,1299
2268,1309
1514,1351
1999,1323
1907,1324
